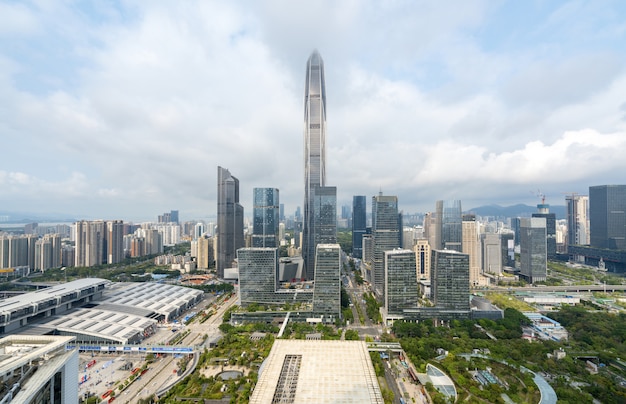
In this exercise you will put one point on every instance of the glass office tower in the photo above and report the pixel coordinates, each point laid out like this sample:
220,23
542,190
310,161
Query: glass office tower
533,249
265,221
359,224
450,284
314,152
327,292
385,236
229,220
607,216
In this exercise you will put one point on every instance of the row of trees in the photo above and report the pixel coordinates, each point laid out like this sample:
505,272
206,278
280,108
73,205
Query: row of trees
592,334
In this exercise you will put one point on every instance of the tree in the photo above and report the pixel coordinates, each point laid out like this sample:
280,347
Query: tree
344,239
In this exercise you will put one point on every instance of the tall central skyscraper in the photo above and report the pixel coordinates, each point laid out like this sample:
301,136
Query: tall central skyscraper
314,153
229,220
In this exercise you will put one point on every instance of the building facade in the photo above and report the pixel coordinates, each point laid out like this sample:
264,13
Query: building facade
41,370
471,246
450,284
385,237
491,253
533,249
115,241
401,290
325,220
89,243
229,220
327,291
204,252
607,216
314,152
422,259
451,226
543,210
359,224
258,275
577,210
265,217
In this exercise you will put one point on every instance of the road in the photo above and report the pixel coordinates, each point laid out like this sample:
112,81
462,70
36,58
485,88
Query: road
162,372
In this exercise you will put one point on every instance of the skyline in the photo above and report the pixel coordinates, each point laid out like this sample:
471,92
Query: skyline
124,110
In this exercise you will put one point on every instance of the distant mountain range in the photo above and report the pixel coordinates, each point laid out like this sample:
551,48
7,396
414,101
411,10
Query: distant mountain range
30,217
519,210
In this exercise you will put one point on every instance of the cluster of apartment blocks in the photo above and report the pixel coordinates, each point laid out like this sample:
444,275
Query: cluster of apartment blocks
90,242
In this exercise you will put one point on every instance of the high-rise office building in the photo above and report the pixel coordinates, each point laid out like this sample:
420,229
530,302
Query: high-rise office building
385,236
543,210
422,259
432,231
325,219
314,152
258,275
168,217
471,246
607,216
229,220
265,217
199,230
451,224
368,256
491,253
515,226
533,249
359,224
507,242
327,291
577,211
449,279
400,282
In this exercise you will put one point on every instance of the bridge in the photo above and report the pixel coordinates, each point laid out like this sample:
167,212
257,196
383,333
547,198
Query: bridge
384,346
553,289
142,349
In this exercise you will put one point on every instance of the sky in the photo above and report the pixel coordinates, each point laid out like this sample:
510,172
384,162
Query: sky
125,109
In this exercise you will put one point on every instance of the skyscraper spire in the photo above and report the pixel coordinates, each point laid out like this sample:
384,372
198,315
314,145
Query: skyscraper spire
314,152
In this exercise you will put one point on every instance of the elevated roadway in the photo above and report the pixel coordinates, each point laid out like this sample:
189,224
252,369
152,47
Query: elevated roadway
554,289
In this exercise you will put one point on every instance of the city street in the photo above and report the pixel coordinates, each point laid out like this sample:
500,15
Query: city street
99,372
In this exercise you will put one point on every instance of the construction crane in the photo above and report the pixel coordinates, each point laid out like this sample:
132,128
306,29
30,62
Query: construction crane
541,195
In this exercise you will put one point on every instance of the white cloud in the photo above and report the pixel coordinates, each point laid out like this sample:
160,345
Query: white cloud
147,99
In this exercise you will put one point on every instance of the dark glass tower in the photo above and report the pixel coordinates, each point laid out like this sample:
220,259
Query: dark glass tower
314,153
533,249
359,224
265,217
607,216
450,279
451,225
385,235
229,220
327,292
325,219
544,211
